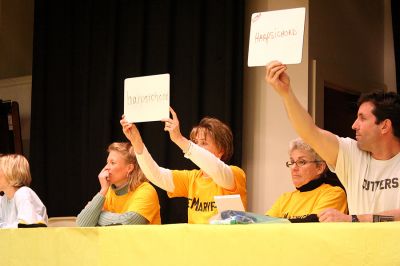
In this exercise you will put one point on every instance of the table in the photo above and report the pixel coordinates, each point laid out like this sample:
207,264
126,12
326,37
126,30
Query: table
187,244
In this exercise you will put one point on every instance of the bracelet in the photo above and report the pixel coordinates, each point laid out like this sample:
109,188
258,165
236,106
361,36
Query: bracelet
354,219
382,218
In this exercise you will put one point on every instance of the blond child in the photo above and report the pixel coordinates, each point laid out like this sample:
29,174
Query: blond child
19,204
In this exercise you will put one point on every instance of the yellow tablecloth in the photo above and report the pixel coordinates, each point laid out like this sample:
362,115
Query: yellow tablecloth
184,244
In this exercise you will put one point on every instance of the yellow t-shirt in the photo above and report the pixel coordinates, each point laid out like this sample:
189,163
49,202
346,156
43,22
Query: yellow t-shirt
201,191
298,204
144,201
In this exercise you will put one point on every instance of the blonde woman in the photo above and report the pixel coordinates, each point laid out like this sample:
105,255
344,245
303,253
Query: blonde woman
125,196
19,205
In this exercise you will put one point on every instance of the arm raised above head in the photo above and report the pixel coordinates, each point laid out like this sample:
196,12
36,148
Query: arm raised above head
132,134
173,127
208,162
323,142
161,177
220,172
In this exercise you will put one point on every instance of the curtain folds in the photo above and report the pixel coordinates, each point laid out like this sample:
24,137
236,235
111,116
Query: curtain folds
83,51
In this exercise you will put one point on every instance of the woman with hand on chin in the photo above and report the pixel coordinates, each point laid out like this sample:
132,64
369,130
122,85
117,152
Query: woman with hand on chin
125,197
210,147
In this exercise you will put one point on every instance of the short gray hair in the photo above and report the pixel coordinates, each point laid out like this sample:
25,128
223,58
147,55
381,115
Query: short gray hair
299,144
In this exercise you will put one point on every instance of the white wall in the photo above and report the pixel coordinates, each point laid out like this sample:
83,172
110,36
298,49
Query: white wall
389,67
16,38
351,46
347,43
16,46
266,128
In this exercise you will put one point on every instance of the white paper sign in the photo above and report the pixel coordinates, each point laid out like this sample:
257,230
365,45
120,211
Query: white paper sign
146,98
276,35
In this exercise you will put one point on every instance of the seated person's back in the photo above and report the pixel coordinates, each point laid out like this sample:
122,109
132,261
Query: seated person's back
19,205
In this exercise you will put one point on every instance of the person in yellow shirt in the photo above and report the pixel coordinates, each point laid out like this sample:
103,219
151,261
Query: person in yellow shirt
210,147
126,196
312,194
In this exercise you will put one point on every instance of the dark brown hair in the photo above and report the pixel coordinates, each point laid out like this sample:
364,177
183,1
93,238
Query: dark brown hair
386,106
220,132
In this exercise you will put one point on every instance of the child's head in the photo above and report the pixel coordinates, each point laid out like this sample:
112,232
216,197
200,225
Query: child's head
15,169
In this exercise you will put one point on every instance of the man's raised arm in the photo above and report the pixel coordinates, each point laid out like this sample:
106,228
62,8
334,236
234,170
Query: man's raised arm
323,142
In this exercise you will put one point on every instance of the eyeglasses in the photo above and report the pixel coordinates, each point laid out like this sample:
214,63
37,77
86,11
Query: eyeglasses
299,163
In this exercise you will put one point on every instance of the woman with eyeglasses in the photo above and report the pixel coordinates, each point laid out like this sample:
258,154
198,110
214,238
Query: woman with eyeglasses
313,194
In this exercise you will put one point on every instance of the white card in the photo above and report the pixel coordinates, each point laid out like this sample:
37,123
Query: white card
228,202
276,35
146,98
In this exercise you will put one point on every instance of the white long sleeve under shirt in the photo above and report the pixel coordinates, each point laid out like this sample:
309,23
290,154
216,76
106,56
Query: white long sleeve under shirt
220,172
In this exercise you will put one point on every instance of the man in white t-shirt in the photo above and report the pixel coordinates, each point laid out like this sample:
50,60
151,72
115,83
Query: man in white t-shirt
368,168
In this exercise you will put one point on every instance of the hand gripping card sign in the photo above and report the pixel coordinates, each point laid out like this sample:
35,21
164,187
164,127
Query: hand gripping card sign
146,98
276,35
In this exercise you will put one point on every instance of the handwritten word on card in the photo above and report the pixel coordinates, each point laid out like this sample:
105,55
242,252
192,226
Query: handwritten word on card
276,35
146,98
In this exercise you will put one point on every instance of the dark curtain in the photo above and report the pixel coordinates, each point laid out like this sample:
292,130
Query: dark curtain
396,37
83,51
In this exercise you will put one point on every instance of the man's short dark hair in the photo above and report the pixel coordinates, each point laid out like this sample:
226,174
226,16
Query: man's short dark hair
386,106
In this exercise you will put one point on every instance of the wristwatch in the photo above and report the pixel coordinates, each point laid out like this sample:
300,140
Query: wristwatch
354,219
382,218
